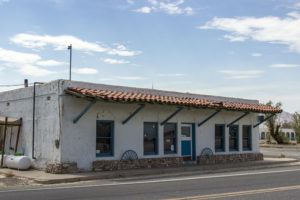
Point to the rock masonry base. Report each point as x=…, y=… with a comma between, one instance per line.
x=62, y=168
x=110, y=165
x=230, y=158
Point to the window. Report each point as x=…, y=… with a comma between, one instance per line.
x=292, y=135
x=219, y=138
x=234, y=138
x=170, y=132
x=263, y=136
x=104, y=138
x=150, y=138
x=247, y=137
x=288, y=134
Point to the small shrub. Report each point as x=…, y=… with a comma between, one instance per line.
x=281, y=156
x=9, y=174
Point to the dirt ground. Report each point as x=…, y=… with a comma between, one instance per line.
x=10, y=180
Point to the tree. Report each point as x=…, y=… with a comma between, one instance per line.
x=286, y=124
x=296, y=125
x=274, y=124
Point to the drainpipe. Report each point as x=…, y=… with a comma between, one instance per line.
x=33, y=117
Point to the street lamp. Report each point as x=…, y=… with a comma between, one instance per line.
x=70, y=48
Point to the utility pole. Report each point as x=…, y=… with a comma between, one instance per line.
x=70, y=48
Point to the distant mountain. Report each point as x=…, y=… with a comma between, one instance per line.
x=285, y=116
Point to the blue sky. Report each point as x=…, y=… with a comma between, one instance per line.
x=237, y=48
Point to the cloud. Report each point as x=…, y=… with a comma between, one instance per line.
x=242, y=74
x=296, y=6
x=144, y=10
x=18, y=57
x=31, y=70
x=85, y=71
x=58, y=42
x=4, y=1
x=235, y=38
x=284, y=66
x=131, y=78
x=243, y=77
x=47, y=63
x=264, y=29
x=63, y=41
x=130, y=1
x=26, y=63
x=107, y=79
x=170, y=75
x=115, y=61
x=121, y=50
x=256, y=54
x=171, y=8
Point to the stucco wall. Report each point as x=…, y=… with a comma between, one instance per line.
x=55, y=111
x=79, y=140
x=19, y=103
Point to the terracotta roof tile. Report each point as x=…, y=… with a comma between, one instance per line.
x=119, y=96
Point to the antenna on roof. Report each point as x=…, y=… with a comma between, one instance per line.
x=70, y=48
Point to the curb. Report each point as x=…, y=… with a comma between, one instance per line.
x=169, y=171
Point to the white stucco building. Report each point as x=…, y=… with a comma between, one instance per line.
x=288, y=132
x=86, y=126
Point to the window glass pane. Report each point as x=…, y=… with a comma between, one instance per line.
x=104, y=129
x=186, y=131
x=104, y=138
x=233, y=137
x=150, y=140
x=169, y=137
x=246, y=137
x=219, y=138
x=103, y=145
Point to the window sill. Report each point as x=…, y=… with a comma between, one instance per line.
x=247, y=149
x=170, y=152
x=150, y=154
x=104, y=155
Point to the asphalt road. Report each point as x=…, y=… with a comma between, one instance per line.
x=276, y=183
x=274, y=152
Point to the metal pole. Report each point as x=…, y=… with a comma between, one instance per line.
x=33, y=117
x=70, y=48
x=3, y=144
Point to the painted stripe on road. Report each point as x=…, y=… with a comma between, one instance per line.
x=150, y=181
x=240, y=193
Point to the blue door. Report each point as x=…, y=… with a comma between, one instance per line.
x=186, y=140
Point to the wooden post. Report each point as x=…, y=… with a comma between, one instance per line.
x=3, y=144
x=19, y=130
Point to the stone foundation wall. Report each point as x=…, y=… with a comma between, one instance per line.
x=61, y=168
x=230, y=158
x=109, y=165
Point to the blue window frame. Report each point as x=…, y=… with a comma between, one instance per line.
x=234, y=138
x=150, y=138
x=247, y=137
x=105, y=138
x=170, y=138
x=219, y=138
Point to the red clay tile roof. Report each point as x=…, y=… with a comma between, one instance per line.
x=133, y=97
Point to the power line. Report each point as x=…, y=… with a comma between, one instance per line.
x=15, y=85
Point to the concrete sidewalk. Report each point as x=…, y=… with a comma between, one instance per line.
x=41, y=177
